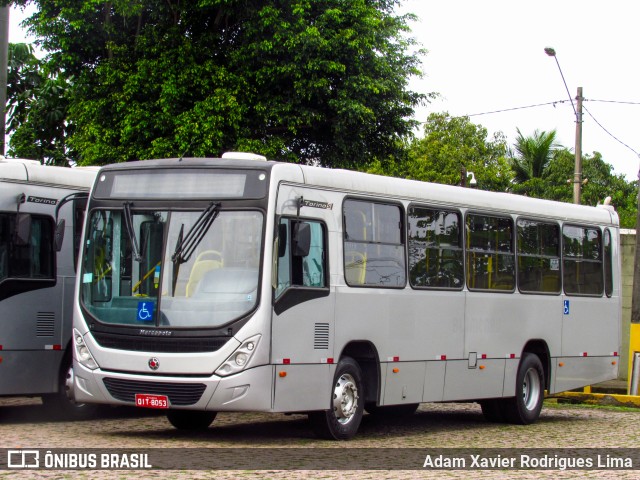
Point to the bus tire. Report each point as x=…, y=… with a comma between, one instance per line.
x=191, y=419
x=342, y=420
x=63, y=403
x=392, y=410
x=525, y=407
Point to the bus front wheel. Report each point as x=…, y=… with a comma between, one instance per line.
x=191, y=419
x=63, y=402
x=525, y=407
x=342, y=420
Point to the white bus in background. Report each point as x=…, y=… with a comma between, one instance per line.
x=37, y=277
x=237, y=284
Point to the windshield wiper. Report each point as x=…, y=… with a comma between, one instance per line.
x=128, y=222
x=187, y=244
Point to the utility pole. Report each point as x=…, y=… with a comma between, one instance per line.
x=577, y=176
x=634, y=328
x=4, y=66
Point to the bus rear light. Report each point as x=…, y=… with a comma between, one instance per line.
x=585, y=354
x=483, y=356
x=286, y=361
x=442, y=357
x=83, y=355
x=239, y=359
x=615, y=354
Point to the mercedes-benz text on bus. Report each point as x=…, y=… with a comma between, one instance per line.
x=239, y=284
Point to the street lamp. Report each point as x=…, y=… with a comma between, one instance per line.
x=577, y=175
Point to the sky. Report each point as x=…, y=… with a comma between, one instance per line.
x=485, y=56
x=488, y=55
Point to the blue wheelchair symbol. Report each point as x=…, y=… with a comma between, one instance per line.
x=145, y=311
x=566, y=307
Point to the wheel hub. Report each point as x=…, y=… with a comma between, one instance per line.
x=345, y=399
x=69, y=385
x=531, y=389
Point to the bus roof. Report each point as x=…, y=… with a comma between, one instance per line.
x=32, y=171
x=474, y=199
x=358, y=183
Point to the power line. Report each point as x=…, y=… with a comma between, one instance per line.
x=565, y=101
x=613, y=101
x=608, y=132
x=518, y=108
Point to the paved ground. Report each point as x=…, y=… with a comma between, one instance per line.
x=24, y=423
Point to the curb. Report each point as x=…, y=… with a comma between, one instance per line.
x=608, y=399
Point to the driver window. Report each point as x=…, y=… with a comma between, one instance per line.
x=303, y=269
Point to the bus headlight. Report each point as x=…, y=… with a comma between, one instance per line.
x=83, y=355
x=240, y=358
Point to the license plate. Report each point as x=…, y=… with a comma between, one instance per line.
x=151, y=401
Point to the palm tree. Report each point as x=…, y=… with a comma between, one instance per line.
x=533, y=155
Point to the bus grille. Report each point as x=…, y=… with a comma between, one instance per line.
x=178, y=393
x=159, y=344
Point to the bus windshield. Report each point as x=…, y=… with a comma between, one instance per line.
x=132, y=275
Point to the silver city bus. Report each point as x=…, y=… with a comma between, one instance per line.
x=238, y=284
x=41, y=220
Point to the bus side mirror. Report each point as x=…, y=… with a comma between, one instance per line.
x=59, y=235
x=301, y=241
x=23, y=229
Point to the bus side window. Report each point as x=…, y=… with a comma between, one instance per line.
x=582, y=260
x=301, y=255
x=608, y=264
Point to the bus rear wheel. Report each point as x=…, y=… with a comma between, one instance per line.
x=525, y=407
x=342, y=420
x=191, y=419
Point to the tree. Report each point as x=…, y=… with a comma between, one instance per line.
x=531, y=160
x=601, y=183
x=451, y=144
x=37, y=107
x=304, y=80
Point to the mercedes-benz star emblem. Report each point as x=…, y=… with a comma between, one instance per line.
x=154, y=363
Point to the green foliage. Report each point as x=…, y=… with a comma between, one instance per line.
x=601, y=183
x=37, y=107
x=532, y=156
x=303, y=80
x=543, y=169
x=451, y=144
